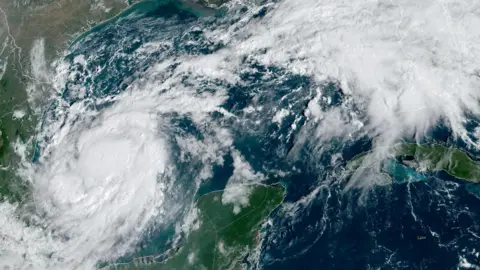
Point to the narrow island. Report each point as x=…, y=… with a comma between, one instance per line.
x=431, y=158
x=223, y=236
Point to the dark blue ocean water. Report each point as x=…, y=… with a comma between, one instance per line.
x=424, y=224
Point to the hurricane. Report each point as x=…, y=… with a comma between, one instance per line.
x=148, y=110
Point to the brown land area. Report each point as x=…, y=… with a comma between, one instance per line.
x=33, y=33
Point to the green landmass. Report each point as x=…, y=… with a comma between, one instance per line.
x=13, y=191
x=433, y=158
x=438, y=157
x=33, y=34
x=222, y=239
x=356, y=161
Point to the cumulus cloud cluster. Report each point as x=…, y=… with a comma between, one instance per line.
x=103, y=174
x=410, y=64
x=239, y=189
x=406, y=64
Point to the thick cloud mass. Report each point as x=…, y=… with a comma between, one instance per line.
x=103, y=175
x=406, y=65
x=409, y=64
x=100, y=185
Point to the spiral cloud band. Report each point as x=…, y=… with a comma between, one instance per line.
x=104, y=174
x=103, y=177
x=100, y=182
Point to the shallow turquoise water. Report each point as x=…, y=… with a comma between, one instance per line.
x=339, y=229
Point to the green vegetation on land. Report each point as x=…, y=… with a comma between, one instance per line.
x=433, y=158
x=222, y=238
x=13, y=191
x=438, y=157
x=34, y=34
x=3, y=146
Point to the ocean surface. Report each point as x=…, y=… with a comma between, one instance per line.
x=169, y=51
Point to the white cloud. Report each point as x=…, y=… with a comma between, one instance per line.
x=191, y=258
x=221, y=247
x=279, y=115
x=238, y=195
x=243, y=173
x=476, y=135
x=191, y=221
x=18, y=114
x=38, y=88
x=97, y=184
x=239, y=189
x=405, y=64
